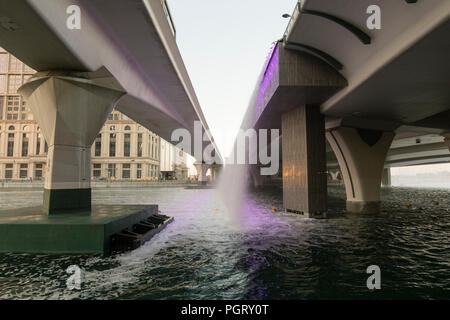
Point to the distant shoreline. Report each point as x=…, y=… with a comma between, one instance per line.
x=102, y=184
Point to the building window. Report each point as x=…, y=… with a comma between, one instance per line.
x=127, y=128
x=15, y=65
x=12, y=111
x=114, y=116
x=111, y=170
x=139, y=145
x=139, y=171
x=14, y=82
x=2, y=83
x=3, y=62
x=97, y=170
x=13, y=103
x=23, y=170
x=38, y=144
x=126, y=171
x=1, y=107
x=9, y=171
x=98, y=146
x=10, y=150
x=150, y=147
x=112, y=145
x=24, y=145
x=27, y=69
x=46, y=147
x=38, y=170
x=126, y=145
x=112, y=128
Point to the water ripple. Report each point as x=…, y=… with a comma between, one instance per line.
x=208, y=253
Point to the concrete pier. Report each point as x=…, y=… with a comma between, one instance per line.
x=386, y=177
x=334, y=176
x=215, y=170
x=304, y=161
x=202, y=169
x=85, y=231
x=294, y=84
x=71, y=109
x=361, y=154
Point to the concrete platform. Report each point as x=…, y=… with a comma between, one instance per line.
x=29, y=230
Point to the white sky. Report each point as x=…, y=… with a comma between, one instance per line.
x=224, y=44
x=430, y=168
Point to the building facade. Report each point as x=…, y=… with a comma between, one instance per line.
x=174, y=164
x=123, y=150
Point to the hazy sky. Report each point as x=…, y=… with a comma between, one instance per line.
x=430, y=168
x=224, y=45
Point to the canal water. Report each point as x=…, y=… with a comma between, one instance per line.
x=262, y=253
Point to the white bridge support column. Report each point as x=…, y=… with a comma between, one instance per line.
x=202, y=169
x=215, y=171
x=386, y=177
x=335, y=176
x=361, y=155
x=304, y=161
x=71, y=110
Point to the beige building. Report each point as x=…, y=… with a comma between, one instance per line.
x=122, y=150
x=125, y=150
x=174, y=164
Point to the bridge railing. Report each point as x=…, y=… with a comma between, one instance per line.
x=169, y=17
x=293, y=19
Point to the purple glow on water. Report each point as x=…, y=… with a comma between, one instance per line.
x=255, y=217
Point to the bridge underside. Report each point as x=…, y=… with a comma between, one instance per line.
x=134, y=66
x=124, y=56
x=391, y=109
